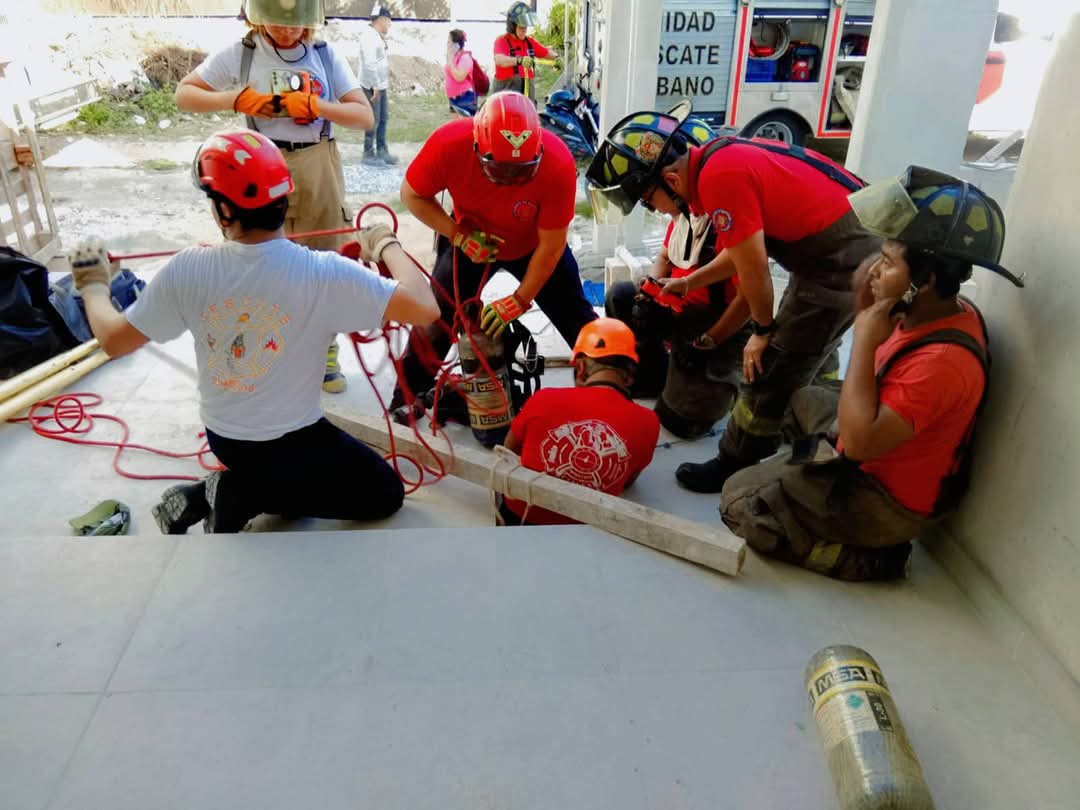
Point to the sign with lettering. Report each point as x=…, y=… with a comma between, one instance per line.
x=696, y=52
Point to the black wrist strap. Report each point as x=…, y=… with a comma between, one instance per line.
x=764, y=331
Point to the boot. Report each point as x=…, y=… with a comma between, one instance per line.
x=372, y=159
x=223, y=516
x=181, y=507
x=709, y=476
x=385, y=156
x=333, y=380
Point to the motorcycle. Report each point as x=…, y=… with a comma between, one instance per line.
x=573, y=115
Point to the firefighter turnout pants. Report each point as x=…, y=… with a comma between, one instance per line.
x=820, y=511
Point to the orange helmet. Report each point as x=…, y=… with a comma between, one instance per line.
x=506, y=137
x=605, y=337
x=244, y=167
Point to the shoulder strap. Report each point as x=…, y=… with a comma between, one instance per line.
x=246, y=54
x=848, y=181
x=320, y=51
x=955, y=482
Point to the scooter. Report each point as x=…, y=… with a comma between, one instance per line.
x=573, y=115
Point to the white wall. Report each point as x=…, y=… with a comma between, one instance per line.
x=1021, y=521
x=924, y=65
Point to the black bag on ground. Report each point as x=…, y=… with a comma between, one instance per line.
x=29, y=332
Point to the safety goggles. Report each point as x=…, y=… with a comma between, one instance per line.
x=509, y=174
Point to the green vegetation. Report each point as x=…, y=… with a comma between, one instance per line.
x=111, y=116
x=160, y=165
x=584, y=209
x=553, y=34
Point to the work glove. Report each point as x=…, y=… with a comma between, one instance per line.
x=497, y=315
x=90, y=265
x=374, y=239
x=528, y=62
x=301, y=107
x=250, y=101
x=479, y=247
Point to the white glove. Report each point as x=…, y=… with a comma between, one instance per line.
x=90, y=265
x=374, y=239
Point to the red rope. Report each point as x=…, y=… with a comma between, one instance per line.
x=73, y=421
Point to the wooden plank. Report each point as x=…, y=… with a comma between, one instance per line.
x=50, y=386
x=8, y=388
x=712, y=546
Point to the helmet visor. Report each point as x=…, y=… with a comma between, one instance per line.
x=610, y=205
x=525, y=16
x=884, y=208
x=297, y=13
x=509, y=174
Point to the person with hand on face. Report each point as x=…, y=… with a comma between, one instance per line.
x=516, y=53
x=375, y=79
x=292, y=88
x=592, y=434
x=513, y=185
x=892, y=451
x=766, y=200
x=459, y=76
x=261, y=310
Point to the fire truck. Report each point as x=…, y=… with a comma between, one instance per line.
x=782, y=69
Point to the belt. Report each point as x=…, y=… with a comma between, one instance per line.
x=296, y=146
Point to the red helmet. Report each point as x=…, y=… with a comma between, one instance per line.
x=244, y=167
x=506, y=135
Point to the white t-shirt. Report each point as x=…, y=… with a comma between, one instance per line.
x=374, y=59
x=222, y=72
x=262, y=317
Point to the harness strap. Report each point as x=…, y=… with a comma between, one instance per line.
x=833, y=172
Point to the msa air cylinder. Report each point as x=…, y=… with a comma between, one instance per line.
x=871, y=760
x=487, y=396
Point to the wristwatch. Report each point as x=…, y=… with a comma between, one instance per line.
x=766, y=330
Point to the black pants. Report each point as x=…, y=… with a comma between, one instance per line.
x=316, y=471
x=561, y=299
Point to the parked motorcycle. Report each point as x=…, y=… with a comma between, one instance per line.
x=573, y=115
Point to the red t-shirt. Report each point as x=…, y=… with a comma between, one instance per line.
x=936, y=390
x=447, y=161
x=591, y=435
x=746, y=189
x=700, y=296
x=509, y=45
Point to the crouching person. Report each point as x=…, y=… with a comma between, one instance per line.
x=262, y=311
x=592, y=434
x=849, y=505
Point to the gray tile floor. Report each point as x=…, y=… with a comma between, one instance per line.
x=426, y=662
x=458, y=668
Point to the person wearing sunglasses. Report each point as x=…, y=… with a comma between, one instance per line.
x=513, y=185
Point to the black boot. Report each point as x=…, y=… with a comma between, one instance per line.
x=710, y=476
x=181, y=507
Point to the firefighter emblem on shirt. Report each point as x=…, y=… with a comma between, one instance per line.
x=516, y=139
x=525, y=210
x=589, y=453
x=721, y=220
x=243, y=338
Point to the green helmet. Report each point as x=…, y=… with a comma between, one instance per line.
x=936, y=213
x=629, y=161
x=302, y=13
x=521, y=14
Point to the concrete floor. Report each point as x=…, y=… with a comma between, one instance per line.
x=426, y=663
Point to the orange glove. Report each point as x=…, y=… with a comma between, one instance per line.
x=250, y=101
x=478, y=246
x=302, y=107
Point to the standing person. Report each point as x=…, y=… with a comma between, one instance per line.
x=516, y=53
x=292, y=88
x=513, y=185
x=460, y=91
x=766, y=200
x=891, y=452
x=592, y=434
x=375, y=79
x=261, y=309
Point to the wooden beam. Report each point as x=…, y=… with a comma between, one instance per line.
x=712, y=546
x=50, y=385
x=10, y=387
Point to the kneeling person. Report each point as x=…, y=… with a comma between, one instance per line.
x=908, y=405
x=592, y=434
x=262, y=311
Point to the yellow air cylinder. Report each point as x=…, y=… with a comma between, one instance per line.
x=870, y=758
